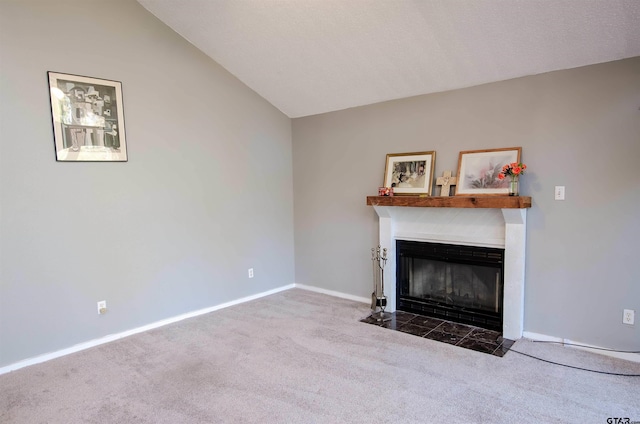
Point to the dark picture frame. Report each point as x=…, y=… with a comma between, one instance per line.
x=88, y=118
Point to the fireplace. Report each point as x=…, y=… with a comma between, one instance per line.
x=490, y=221
x=452, y=282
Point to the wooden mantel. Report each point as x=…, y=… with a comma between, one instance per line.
x=497, y=202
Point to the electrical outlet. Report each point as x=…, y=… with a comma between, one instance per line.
x=102, y=307
x=250, y=272
x=559, y=193
x=628, y=316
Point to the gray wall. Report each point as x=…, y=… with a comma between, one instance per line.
x=579, y=128
x=206, y=193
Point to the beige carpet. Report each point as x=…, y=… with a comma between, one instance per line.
x=303, y=357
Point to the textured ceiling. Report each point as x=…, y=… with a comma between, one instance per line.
x=314, y=56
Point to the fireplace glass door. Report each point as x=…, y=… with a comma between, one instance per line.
x=456, y=283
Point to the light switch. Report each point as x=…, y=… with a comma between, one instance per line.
x=559, y=192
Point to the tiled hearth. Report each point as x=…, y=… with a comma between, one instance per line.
x=466, y=336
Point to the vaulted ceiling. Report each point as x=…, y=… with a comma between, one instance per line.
x=313, y=56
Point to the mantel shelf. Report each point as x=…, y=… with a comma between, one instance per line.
x=496, y=202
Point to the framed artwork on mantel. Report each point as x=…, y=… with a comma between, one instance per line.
x=410, y=173
x=478, y=171
x=88, y=119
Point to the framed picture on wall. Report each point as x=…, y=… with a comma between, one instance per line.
x=478, y=171
x=410, y=173
x=88, y=119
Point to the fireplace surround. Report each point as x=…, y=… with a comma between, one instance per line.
x=492, y=221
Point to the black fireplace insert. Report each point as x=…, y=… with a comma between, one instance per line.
x=452, y=282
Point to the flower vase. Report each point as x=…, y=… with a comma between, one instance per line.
x=513, y=187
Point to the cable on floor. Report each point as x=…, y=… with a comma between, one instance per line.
x=578, y=368
x=588, y=347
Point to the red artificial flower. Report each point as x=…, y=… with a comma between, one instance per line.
x=512, y=169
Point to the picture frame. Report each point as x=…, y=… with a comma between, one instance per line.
x=478, y=171
x=410, y=173
x=88, y=118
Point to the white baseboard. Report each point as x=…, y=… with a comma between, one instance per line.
x=541, y=337
x=333, y=293
x=634, y=357
x=113, y=337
